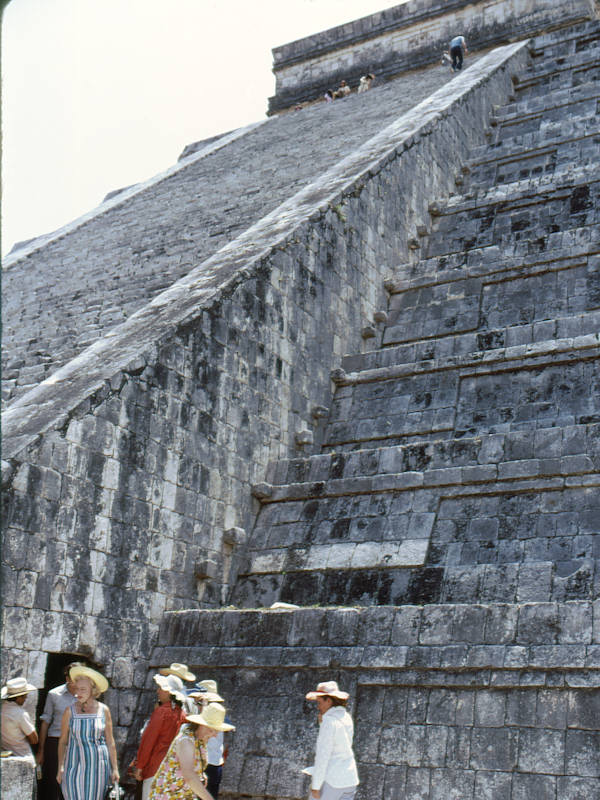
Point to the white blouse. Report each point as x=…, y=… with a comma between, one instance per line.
x=334, y=759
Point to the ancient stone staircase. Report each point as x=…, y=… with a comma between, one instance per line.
x=460, y=461
x=82, y=282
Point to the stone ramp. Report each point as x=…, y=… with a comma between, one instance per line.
x=61, y=297
x=460, y=458
x=488, y=701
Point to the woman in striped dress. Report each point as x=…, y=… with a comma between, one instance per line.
x=87, y=756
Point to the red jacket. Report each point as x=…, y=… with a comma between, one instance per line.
x=160, y=731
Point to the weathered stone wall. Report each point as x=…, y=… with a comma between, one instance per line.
x=407, y=36
x=18, y=779
x=464, y=701
x=128, y=471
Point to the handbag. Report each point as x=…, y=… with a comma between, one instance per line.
x=114, y=792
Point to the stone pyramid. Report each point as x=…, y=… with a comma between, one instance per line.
x=344, y=359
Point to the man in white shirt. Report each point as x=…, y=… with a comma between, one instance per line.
x=18, y=731
x=57, y=701
x=334, y=775
x=458, y=48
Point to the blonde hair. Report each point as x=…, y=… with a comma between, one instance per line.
x=95, y=690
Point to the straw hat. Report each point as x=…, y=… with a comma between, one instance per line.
x=96, y=678
x=327, y=689
x=180, y=670
x=206, y=690
x=213, y=716
x=16, y=687
x=171, y=684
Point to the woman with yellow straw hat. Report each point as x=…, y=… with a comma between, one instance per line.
x=181, y=774
x=87, y=756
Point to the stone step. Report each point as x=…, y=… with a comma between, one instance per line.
x=581, y=443
x=522, y=217
x=515, y=530
x=523, y=387
x=560, y=73
x=479, y=262
x=574, y=39
x=536, y=108
x=509, y=300
x=530, y=155
x=129, y=249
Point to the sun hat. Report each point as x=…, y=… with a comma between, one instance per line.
x=208, y=686
x=207, y=690
x=180, y=670
x=327, y=689
x=15, y=687
x=171, y=684
x=81, y=671
x=208, y=697
x=213, y=716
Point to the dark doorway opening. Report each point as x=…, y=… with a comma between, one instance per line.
x=54, y=676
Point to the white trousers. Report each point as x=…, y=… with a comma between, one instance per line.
x=146, y=788
x=331, y=793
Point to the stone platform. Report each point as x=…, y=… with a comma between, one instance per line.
x=460, y=701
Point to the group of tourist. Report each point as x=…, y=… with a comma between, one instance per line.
x=344, y=90
x=453, y=57
x=181, y=751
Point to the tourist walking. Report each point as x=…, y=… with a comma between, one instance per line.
x=87, y=756
x=334, y=775
x=182, y=672
x=206, y=692
x=181, y=774
x=343, y=90
x=458, y=48
x=18, y=731
x=160, y=731
x=57, y=701
x=365, y=82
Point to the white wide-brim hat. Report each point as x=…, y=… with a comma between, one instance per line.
x=208, y=697
x=327, y=689
x=97, y=678
x=180, y=670
x=16, y=687
x=213, y=716
x=171, y=684
x=207, y=690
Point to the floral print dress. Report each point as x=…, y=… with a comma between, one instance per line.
x=169, y=783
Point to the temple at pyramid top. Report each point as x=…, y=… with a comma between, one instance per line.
x=406, y=36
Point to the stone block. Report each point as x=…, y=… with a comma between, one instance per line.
x=581, y=754
x=490, y=709
x=575, y=620
x=528, y=786
x=542, y=752
x=406, y=625
x=254, y=774
x=375, y=625
x=538, y=623
x=436, y=625
x=18, y=779
x=451, y=784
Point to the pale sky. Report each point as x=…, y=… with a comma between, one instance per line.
x=101, y=94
